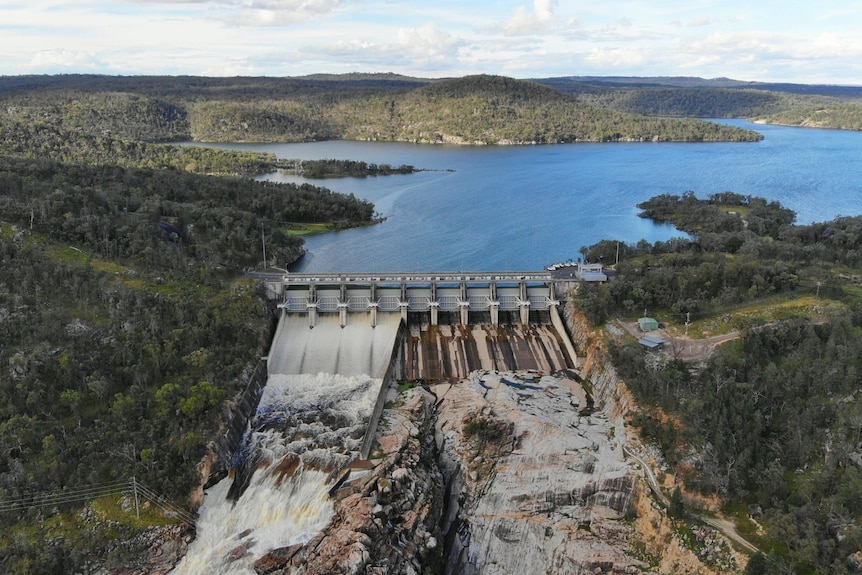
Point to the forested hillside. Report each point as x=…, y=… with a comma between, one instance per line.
x=770, y=422
x=116, y=118
x=837, y=114
x=471, y=110
x=818, y=106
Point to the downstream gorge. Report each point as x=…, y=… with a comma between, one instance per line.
x=487, y=472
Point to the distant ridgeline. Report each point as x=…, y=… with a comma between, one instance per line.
x=117, y=120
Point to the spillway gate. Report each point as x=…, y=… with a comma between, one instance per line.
x=431, y=293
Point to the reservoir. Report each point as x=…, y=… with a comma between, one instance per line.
x=523, y=207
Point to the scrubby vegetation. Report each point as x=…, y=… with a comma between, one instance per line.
x=328, y=168
x=821, y=113
x=771, y=420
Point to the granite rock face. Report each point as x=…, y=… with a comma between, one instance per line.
x=164, y=546
x=550, y=495
x=499, y=473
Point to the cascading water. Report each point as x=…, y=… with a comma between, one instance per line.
x=307, y=428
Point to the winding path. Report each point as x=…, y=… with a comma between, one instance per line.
x=725, y=527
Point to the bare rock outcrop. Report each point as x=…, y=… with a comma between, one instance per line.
x=539, y=479
x=160, y=549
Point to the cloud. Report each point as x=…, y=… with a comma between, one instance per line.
x=615, y=57
x=62, y=60
x=525, y=22
x=281, y=12
x=702, y=21
x=421, y=48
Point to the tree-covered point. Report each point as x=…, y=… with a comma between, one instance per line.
x=168, y=219
x=740, y=248
x=329, y=168
x=721, y=212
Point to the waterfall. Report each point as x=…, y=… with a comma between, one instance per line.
x=306, y=427
x=309, y=424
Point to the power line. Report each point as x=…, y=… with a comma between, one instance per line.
x=66, y=496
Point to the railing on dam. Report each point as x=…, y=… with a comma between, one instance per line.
x=434, y=293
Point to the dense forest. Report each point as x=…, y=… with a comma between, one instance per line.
x=771, y=421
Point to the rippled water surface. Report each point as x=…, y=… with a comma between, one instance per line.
x=523, y=207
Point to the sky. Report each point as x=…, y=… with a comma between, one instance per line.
x=760, y=40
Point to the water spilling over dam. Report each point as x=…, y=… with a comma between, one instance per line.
x=337, y=347
x=311, y=422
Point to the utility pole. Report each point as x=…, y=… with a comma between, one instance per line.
x=263, y=240
x=817, y=293
x=687, y=321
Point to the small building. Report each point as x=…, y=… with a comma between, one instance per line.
x=652, y=343
x=591, y=273
x=647, y=324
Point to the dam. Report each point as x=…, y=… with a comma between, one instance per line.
x=341, y=343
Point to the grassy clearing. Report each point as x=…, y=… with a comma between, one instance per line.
x=308, y=229
x=760, y=313
x=854, y=291
x=743, y=211
x=123, y=274
x=110, y=509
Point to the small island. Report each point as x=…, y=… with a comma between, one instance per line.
x=329, y=168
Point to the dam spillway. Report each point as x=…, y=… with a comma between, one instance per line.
x=355, y=349
x=455, y=322
x=341, y=341
x=316, y=416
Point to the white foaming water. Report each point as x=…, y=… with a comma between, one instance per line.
x=303, y=423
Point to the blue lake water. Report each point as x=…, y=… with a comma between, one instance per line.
x=523, y=207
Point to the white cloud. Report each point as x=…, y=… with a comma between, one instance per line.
x=281, y=12
x=702, y=21
x=61, y=60
x=525, y=22
x=421, y=48
x=615, y=57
